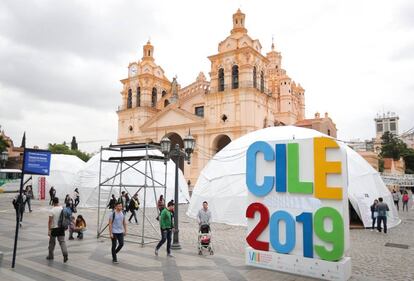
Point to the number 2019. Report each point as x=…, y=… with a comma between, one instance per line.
x=310, y=224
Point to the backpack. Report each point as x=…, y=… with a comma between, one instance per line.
x=64, y=220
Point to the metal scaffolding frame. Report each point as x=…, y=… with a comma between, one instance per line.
x=128, y=163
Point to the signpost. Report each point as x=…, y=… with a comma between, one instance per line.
x=298, y=208
x=35, y=162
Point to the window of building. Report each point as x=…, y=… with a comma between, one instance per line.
x=235, y=77
x=138, y=96
x=221, y=80
x=262, y=82
x=329, y=132
x=393, y=127
x=166, y=103
x=163, y=93
x=199, y=111
x=154, y=97
x=254, y=77
x=379, y=128
x=129, y=99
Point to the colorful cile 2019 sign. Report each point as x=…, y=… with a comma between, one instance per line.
x=297, y=200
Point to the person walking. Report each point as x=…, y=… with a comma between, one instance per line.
x=396, y=197
x=374, y=213
x=204, y=215
x=405, y=199
x=76, y=196
x=52, y=193
x=19, y=203
x=29, y=197
x=382, y=208
x=112, y=202
x=117, y=230
x=160, y=206
x=133, y=207
x=56, y=231
x=166, y=223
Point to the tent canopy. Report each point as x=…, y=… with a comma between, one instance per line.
x=222, y=182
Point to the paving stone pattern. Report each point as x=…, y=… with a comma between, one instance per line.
x=90, y=258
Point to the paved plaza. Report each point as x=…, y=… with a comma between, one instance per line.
x=90, y=258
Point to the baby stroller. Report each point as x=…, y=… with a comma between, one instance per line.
x=204, y=240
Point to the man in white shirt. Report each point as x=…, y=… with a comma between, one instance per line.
x=204, y=215
x=54, y=231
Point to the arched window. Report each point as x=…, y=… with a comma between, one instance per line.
x=261, y=82
x=254, y=77
x=221, y=80
x=234, y=77
x=154, y=97
x=129, y=99
x=163, y=93
x=138, y=96
x=166, y=103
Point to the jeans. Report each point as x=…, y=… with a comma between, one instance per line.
x=405, y=204
x=396, y=203
x=62, y=243
x=133, y=214
x=384, y=220
x=373, y=222
x=120, y=238
x=165, y=235
x=29, y=204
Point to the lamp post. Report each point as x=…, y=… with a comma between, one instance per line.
x=176, y=153
x=4, y=158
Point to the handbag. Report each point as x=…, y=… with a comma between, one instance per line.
x=58, y=231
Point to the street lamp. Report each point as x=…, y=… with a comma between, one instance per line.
x=4, y=158
x=176, y=154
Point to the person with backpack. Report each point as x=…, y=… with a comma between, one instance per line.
x=58, y=223
x=166, y=223
x=382, y=209
x=117, y=230
x=405, y=200
x=133, y=207
x=126, y=203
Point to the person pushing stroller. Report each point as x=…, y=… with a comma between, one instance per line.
x=204, y=233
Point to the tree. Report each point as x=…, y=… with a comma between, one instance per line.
x=64, y=149
x=408, y=156
x=3, y=144
x=391, y=146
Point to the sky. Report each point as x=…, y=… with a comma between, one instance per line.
x=61, y=61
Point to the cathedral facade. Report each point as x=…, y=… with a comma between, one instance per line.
x=247, y=91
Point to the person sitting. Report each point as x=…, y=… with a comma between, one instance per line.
x=79, y=228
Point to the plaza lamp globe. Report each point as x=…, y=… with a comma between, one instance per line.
x=189, y=144
x=165, y=146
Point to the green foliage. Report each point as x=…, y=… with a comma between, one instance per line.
x=3, y=144
x=393, y=147
x=63, y=149
x=381, y=165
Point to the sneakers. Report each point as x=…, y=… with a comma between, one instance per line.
x=65, y=259
x=49, y=258
x=115, y=261
x=156, y=252
x=71, y=238
x=170, y=256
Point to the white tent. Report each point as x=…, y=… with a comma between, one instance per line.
x=222, y=182
x=88, y=179
x=63, y=175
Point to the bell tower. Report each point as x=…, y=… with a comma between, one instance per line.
x=238, y=22
x=148, y=52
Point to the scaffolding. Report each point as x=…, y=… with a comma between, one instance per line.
x=127, y=157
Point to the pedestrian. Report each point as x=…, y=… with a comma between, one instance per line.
x=69, y=203
x=396, y=198
x=56, y=230
x=112, y=202
x=382, y=208
x=76, y=196
x=79, y=228
x=52, y=193
x=127, y=200
x=166, y=223
x=160, y=206
x=204, y=215
x=133, y=207
x=117, y=230
x=405, y=200
x=19, y=203
x=374, y=213
x=123, y=201
x=29, y=197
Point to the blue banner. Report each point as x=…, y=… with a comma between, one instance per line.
x=36, y=162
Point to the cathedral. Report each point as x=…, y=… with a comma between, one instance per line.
x=247, y=91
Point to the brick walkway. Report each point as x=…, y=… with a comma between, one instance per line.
x=90, y=259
